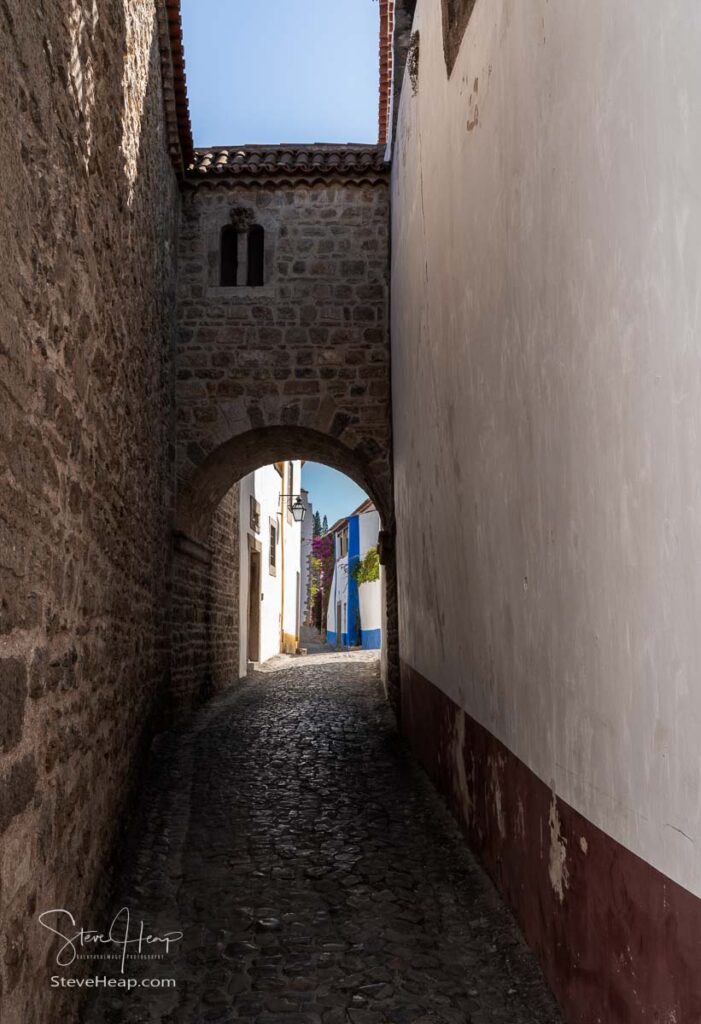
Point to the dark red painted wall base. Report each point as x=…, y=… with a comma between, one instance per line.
x=619, y=942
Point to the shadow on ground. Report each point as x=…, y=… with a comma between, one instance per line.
x=316, y=875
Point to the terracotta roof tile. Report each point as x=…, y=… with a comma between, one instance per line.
x=317, y=159
x=386, y=61
x=322, y=160
x=174, y=89
x=289, y=163
x=365, y=506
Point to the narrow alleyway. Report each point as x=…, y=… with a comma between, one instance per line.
x=320, y=876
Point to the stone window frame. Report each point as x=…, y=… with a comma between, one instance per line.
x=243, y=236
x=455, y=16
x=343, y=541
x=269, y=223
x=254, y=514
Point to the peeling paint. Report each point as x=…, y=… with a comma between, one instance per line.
x=462, y=783
x=412, y=63
x=520, y=821
x=597, y=948
x=455, y=16
x=496, y=767
x=557, y=867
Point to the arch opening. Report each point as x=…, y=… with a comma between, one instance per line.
x=222, y=531
x=243, y=453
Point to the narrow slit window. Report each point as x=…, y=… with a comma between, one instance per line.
x=256, y=256
x=272, y=553
x=229, y=257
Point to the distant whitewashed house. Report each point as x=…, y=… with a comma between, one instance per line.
x=305, y=557
x=354, y=617
x=270, y=575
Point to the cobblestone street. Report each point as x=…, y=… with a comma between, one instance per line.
x=314, y=871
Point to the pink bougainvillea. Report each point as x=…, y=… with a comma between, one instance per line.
x=322, y=563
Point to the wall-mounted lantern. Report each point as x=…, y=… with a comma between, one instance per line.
x=295, y=505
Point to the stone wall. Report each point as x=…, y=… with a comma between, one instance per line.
x=295, y=368
x=87, y=229
x=190, y=603
x=309, y=349
x=204, y=605
x=224, y=607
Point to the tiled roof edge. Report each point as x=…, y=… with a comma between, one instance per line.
x=386, y=60
x=277, y=164
x=177, y=111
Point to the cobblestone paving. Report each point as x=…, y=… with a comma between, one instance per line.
x=316, y=874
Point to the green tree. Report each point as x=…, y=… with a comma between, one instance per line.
x=316, y=529
x=325, y=525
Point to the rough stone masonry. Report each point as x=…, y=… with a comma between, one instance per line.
x=307, y=348
x=111, y=435
x=295, y=365
x=88, y=228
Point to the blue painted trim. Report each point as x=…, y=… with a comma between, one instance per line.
x=353, y=599
x=372, y=639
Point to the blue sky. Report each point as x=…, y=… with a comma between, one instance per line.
x=281, y=70
x=330, y=492
x=285, y=71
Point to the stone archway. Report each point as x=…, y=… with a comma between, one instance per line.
x=293, y=365
x=243, y=453
x=197, y=560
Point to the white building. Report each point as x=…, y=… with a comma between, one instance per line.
x=307, y=535
x=337, y=613
x=370, y=592
x=270, y=573
x=354, y=617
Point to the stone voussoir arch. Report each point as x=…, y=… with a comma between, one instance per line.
x=229, y=461
x=208, y=485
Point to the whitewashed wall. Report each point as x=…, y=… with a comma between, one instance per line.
x=307, y=532
x=546, y=348
x=267, y=485
x=370, y=594
x=292, y=541
x=338, y=595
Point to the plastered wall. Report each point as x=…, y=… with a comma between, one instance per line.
x=291, y=540
x=265, y=486
x=546, y=314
